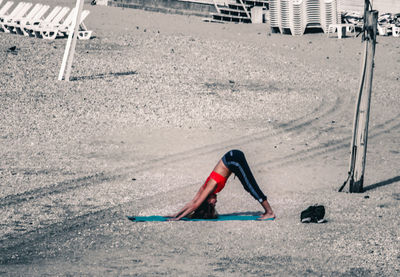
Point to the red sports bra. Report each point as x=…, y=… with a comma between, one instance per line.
x=221, y=181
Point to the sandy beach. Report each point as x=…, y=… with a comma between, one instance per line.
x=155, y=100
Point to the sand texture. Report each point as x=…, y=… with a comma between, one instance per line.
x=155, y=100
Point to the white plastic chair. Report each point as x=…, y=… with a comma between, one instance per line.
x=21, y=24
x=60, y=30
x=383, y=30
x=5, y=8
x=395, y=31
x=274, y=13
x=20, y=10
x=14, y=12
x=6, y=16
x=298, y=15
x=341, y=29
x=298, y=18
x=284, y=15
x=37, y=27
x=329, y=14
x=313, y=12
x=15, y=21
x=27, y=26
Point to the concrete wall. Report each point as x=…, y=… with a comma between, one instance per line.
x=166, y=6
x=383, y=6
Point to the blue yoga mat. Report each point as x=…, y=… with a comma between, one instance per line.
x=157, y=218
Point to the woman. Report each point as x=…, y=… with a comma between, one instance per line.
x=203, y=204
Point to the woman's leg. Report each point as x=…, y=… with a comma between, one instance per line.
x=236, y=162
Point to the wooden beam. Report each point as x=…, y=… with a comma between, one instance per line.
x=360, y=137
x=69, y=53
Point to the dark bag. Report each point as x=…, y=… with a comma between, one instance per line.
x=314, y=214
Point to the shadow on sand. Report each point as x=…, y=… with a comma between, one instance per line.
x=383, y=183
x=103, y=75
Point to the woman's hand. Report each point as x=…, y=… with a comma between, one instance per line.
x=173, y=219
x=172, y=215
x=181, y=211
x=201, y=196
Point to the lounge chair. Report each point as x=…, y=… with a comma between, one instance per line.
x=83, y=32
x=36, y=12
x=5, y=8
x=395, y=31
x=62, y=30
x=25, y=25
x=19, y=11
x=6, y=14
x=55, y=17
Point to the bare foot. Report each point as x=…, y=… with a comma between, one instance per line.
x=267, y=216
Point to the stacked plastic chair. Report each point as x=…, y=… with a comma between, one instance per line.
x=274, y=14
x=329, y=14
x=285, y=14
x=298, y=15
x=313, y=8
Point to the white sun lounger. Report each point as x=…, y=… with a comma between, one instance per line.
x=13, y=12
x=23, y=25
x=19, y=11
x=61, y=30
x=83, y=32
x=38, y=27
x=20, y=25
x=5, y=8
x=37, y=11
x=29, y=27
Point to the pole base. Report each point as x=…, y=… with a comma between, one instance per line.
x=357, y=187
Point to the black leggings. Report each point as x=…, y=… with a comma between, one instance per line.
x=236, y=162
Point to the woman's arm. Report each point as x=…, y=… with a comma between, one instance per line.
x=201, y=195
x=189, y=203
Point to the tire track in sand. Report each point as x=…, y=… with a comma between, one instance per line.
x=90, y=180
x=332, y=146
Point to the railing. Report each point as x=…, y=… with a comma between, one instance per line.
x=245, y=9
x=215, y=2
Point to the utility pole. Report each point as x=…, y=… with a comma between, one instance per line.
x=363, y=102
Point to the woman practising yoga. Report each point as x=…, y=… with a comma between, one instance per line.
x=203, y=204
